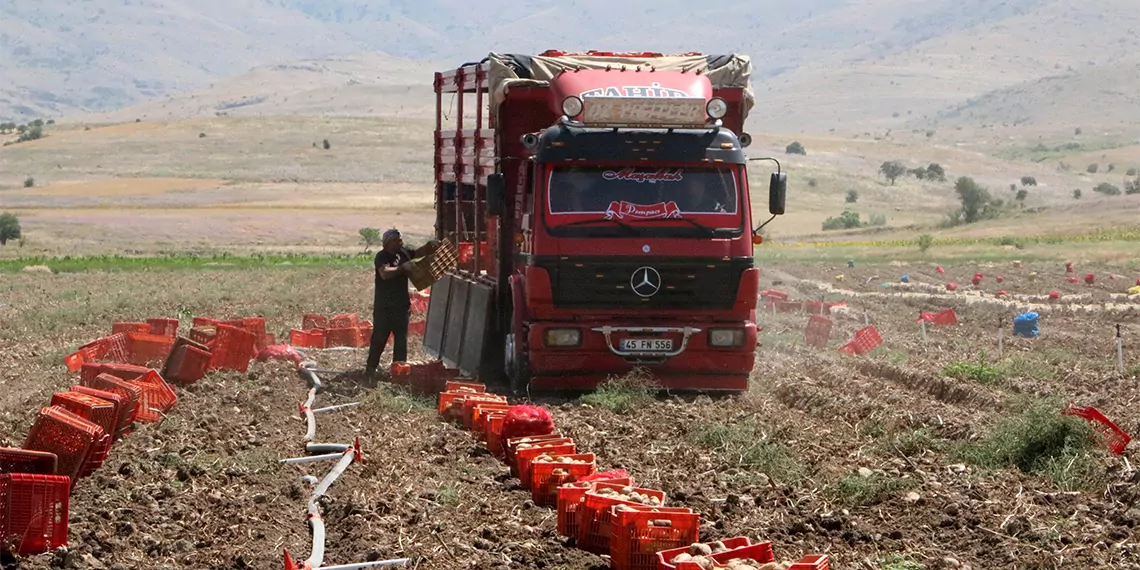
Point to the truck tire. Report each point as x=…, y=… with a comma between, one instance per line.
x=515, y=363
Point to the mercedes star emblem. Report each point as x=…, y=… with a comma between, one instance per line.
x=645, y=281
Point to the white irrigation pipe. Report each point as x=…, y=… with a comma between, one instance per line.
x=318, y=555
x=311, y=458
x=336, y=407
x=396, y=562
x=1119, y=349
x=307, y=410
x=326, y=447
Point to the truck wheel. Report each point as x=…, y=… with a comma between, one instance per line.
x=516, y=367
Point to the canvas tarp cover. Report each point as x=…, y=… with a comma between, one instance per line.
x=724, y=71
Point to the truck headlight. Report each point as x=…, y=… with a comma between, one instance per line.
x=563, y=337
x=726, y=337
x=716, y=108
x=571, y=106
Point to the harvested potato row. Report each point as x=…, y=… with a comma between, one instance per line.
x=565, y=460
x=701, y=554
x=629, y=495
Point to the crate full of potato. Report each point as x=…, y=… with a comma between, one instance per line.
x=550, y=471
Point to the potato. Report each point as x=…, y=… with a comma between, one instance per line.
x=559, y=472
x=661, y=522
x=682, y=557
x=718, y=547
x=699, y=549
x=627, y=490
x=769, y=566
x=705, y=562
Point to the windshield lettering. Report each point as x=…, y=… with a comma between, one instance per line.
x=631, y=193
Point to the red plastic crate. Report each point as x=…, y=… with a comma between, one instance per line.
x=472, y=408
x=255, y=325
x=812, y=562
x=76, y=442
x=865, y=341
x=131, y=394
x=544, y=483
x=187, y=363
x=157, y=397
x=310, y=322
x=232, y=349
x=479, y=417
x=121, y=371
x=145, y=349
x=448, y=397
x=345, y=321
x=494, y=431
x=1115, y=438
x=732, y=544
x=510, y=444
x=818, y=331
x=96, y=410
x=113, y=348
x=204, y=334
x=122, y=412
x=307, y=339
x=129, y=327
x=352, y=337
x=523, y=457
x=15, y=460
x=594, y=517
x=638, y=533
x=456, y=385
x=570, y=498
x=163, y=327
x=33, y=512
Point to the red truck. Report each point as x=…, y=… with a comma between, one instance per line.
x=602, y=210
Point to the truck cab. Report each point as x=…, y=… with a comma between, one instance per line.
x=622, y=231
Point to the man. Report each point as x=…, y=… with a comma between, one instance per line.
x=392, y=305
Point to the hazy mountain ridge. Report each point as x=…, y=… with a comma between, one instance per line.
x=817, y=62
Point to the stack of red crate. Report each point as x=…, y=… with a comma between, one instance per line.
x=318, y=331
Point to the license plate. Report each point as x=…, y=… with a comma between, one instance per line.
x=647, y=344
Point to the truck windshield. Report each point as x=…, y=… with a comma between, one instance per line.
x=629, y=194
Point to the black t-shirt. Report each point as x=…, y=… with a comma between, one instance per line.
x=392, y=292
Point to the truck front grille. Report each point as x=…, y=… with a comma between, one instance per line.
x=691, y=283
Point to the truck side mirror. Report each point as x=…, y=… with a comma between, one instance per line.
x=777, y=193
x=496, y=194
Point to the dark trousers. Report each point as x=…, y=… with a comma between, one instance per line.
x=389, y=321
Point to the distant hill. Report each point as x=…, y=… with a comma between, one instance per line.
x=820, y=64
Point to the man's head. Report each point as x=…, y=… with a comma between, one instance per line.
x=393, y=240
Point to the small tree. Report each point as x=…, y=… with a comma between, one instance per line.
x=1077, y=131
x=845, y=221
x=935, y=172
x=1092, y=168
x=1021, y=195
x=29, y=182
x=325, y=143
x=975, y=199
x=892, y=170
x=9, y=227
x=920, y=173
x=1013, y=187
x=1107, y=189
x=31, y=134
x=795, y=148
x=1111, y=167
x=924, y=242
x=1077, y=194
x=1131, y=171
x=852, y=196
x=1028, y=181
x=370, y=237
x=1132, y=186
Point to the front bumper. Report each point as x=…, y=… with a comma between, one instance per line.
x=691, y=363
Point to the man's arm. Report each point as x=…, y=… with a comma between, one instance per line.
x=387, y=273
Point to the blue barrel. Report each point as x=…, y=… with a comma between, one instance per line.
x=1025, y=325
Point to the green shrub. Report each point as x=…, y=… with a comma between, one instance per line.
x=845, y=221
x=624, y=393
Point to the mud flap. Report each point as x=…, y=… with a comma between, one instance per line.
x=458, y=327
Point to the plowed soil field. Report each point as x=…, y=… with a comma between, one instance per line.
x=876, y=460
